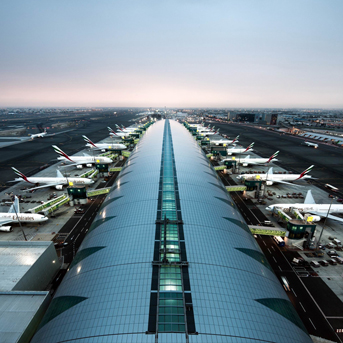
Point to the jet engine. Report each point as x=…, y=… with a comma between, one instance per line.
x=59, y=187
x=314, y=218
x=89, y=165
x=269, y=183
x=6, y=229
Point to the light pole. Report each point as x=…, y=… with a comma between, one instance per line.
x=16, y=213
x=320, y=236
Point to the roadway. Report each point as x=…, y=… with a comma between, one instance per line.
x=313, y=300
x=32, y=155
x=294, y=155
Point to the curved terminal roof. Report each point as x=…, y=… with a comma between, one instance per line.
x=107, y=294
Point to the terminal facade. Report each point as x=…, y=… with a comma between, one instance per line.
x=170, y=259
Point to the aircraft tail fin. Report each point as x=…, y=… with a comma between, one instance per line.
x=249, y=147
x=59, y=174
x=309, y=198
x=247, y=157
x=61, y=153
x=88, y=141
x=270, y=171
x=306, y=171
x=235, y=139
x=21, y=175
x=273, y=156
x=15, y=206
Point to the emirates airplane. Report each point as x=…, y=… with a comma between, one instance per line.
x=233, y=151
x=259, y=160
x=117, y=134
x=39, y=135
x=126, y=129
x=224, y=140
x=58, y=182
x=14, y=213
x=271, y=178
x=104, y=146
x=79, y=160
x=310, y=206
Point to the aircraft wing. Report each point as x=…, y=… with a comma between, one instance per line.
x=4, y=221
x=43, y=186
x=323, y=215
x=286, y=183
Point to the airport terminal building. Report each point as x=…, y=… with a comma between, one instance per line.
x=170, y=259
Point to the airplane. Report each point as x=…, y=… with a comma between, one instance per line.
x=103, y=146
x=126, y=129
x=255, y=161
x=117, y=134
x=197, y=125
x=14, y=213
x=310, y=206
x=232, y=151
x=79, y=160
x=271, y=178
x=311, y=144
x=209, y=133
x=58, y=182
x=39, y=135
x=224, y=140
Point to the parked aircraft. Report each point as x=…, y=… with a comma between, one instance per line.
x=314, y=145
x=39, y=135
x=79, y=160
x=197, y=125
x=233, y=151
x=103, y=146
x=255, y=161
x=126, y=129
x=14, y=213
x=224, y=140
x=271, y=178
x=117, y=134
x=58, y=182
x=310, y=206
x=209, y=133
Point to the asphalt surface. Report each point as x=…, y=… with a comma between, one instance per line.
x=78, y=225
x=318, y=307
x=294, y=155
x=32, y=155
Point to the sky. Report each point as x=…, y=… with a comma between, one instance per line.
x=174, y=53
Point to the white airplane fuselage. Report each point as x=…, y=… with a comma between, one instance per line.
x=314, y=145
x=119, y=134
x=238, y=151
x=38, y=135
x=321, y=208
x=222, y=141
x=107, y=146
x=274, y=177
x=253, y=161
x=58, y=180
x=24, y=217
x=86, y=159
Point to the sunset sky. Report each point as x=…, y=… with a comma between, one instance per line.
x=246, y=53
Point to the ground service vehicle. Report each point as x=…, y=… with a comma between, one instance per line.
x=279, y=241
